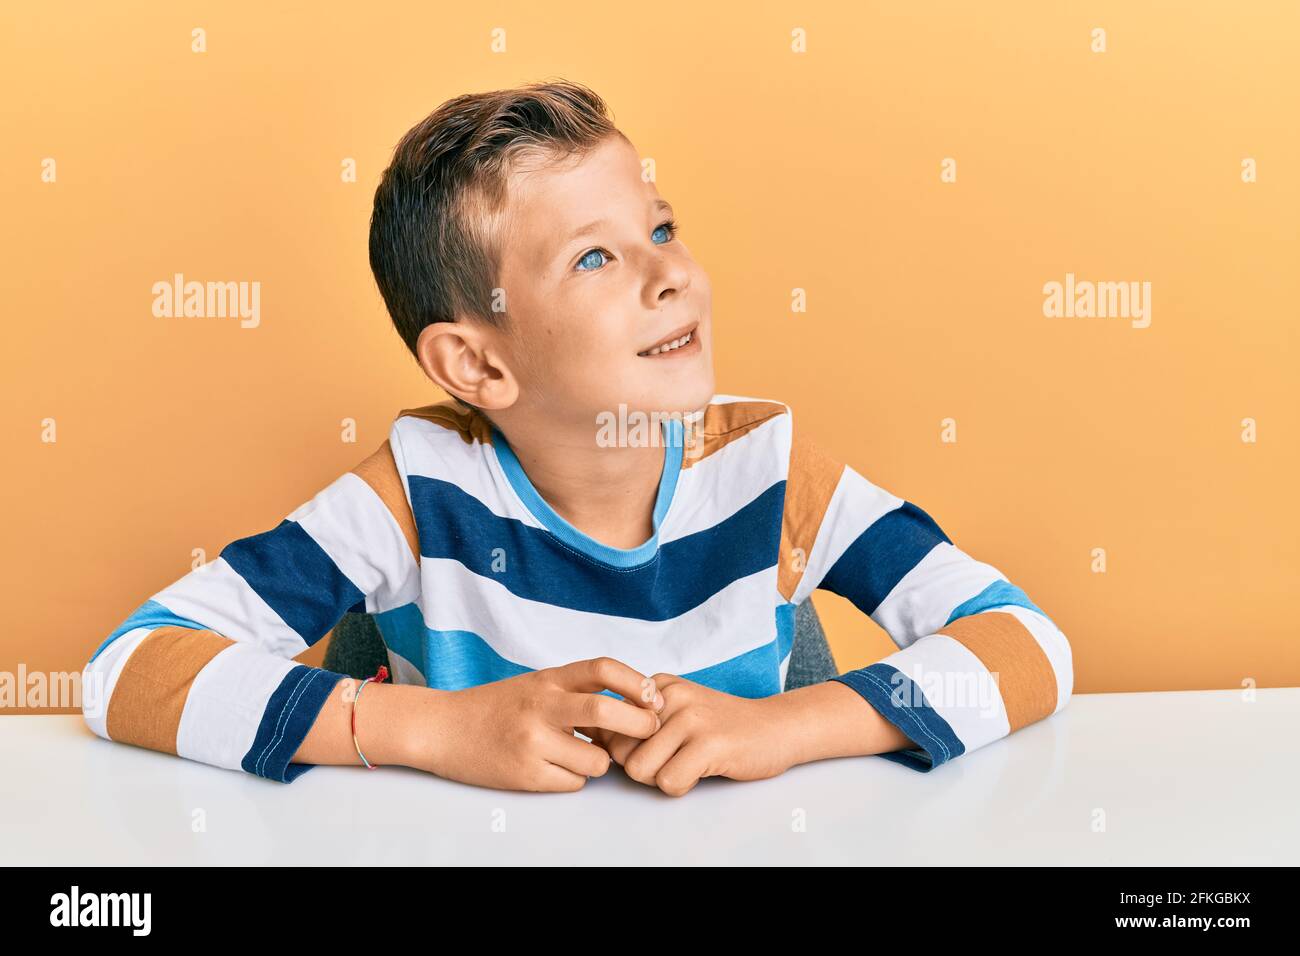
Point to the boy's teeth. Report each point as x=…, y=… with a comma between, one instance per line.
x=674, y=344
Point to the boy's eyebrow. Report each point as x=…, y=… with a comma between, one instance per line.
x=597, y=223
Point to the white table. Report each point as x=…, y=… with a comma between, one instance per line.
x=1183, y=778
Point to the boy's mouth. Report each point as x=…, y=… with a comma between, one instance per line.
x=682, y=341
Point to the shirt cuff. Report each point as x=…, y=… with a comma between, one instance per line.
x=288, y=717
x=900, y=701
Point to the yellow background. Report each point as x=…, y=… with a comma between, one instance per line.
x=817, y=171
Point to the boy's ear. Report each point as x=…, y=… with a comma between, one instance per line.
x=462, y=358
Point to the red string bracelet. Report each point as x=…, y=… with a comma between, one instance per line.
x=381, y=675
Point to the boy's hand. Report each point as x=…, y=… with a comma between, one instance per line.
x=705, y=733
x=517, y=734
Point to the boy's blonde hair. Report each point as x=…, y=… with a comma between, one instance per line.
x=437, y=227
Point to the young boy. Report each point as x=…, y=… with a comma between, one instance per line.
x=533, y=569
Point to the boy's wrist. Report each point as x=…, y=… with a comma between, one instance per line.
x=830, y=719
x=397, y=726
x=796, y=727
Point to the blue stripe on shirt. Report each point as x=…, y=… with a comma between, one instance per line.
x=295, y=577
x=538, y=566
x=150, y=614
x=288, y=717
x=900, y=701
x=997, y=594
x=454, y=660
x=882, y=554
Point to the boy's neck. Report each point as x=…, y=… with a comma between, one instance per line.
x=607, y=493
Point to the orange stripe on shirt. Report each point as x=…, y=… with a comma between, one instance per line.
x=155, y=681
x=379, y=471
x=810, y=485
x=723, y=424
x=469, y=423
x=1006, y=647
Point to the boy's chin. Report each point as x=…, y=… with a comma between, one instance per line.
x=681, y=398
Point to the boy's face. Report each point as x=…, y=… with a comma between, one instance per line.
x=586, y=307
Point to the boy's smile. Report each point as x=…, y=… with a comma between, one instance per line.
x=681, y=342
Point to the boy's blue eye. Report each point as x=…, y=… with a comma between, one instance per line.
x=587, y=256
x=669, y=228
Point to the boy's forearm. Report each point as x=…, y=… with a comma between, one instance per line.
x=831, y=719
x=388, y=716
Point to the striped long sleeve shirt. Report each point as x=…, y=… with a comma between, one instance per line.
x=472, y=577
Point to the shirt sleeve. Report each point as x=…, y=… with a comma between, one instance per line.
x=204, y=668
x=976, y=659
